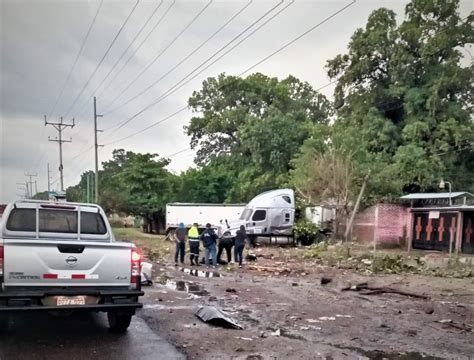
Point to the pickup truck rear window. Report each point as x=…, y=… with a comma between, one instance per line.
x=22, y=220
x=56, y=221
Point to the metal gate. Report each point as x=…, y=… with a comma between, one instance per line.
x=467, y=246
x=433, y=230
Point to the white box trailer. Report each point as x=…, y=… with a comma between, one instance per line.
x=201, y=213
x=321, y=216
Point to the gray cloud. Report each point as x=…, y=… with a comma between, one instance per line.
x=40, y=40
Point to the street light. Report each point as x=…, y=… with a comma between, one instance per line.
x=442, y=185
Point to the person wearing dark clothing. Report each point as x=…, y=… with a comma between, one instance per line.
x=209, y=239
x=240, y=238
x=193, y=237
x=180, y=237
x=227, y=244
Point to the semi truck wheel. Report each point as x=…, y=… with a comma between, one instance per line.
x=118, y=322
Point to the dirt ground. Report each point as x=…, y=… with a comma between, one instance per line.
x=287, y=313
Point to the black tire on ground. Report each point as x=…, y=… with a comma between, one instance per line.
x=118, y=322
x=305, y=241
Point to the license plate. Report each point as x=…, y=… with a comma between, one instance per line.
x=70, y=300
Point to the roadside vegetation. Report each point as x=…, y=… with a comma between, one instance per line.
x=154, y=247
x=401, y=112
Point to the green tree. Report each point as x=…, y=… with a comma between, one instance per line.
x=43, y=195
x=78, y=193
x=148, y=185
x=404, y=93
x=254, y=125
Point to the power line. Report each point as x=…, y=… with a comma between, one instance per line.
x=123, y=54
x=77, y=58
x=178, y=152
x=160, y=54
x=185, y=58
x=137, y=48
x=298, y=37
x=169, y=91
x=261, y=61
x=103, y=58
x=59, y=126
x=248, y=69
x=148, y=127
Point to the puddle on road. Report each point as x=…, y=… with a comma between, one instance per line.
x=186, y=286
x=381, y=355
x=201, y=273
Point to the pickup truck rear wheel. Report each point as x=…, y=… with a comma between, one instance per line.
x=4, y=320
x=118, y=322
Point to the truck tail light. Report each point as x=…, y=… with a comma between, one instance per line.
x=136, y=266
x=1, y=260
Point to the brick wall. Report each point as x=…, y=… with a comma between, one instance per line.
x=386, y=222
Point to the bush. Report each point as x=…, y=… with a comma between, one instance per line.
x=306, y=232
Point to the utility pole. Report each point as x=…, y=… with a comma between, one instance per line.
x=31, y=176
x=96, y=146
x=88, y=191
x=59, y=126
x=23, y=187
x=49, y=180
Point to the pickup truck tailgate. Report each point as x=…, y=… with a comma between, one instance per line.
x=68, y=263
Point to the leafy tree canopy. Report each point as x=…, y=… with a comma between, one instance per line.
x=255, y=125
x=403, y=90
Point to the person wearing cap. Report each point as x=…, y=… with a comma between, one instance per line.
x=209, y=238
x=180, y=238
x=193, y=238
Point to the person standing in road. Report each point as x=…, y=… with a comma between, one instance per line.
x=193, y=237
x=227, y=244
x=180, y=237
x=240, y=239
x=209, y=238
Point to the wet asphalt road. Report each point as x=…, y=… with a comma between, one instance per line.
x=79, y=336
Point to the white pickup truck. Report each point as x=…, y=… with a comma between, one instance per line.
x=49, y=263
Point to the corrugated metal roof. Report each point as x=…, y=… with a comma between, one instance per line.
x=443, y=195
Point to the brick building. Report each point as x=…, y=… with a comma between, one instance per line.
x=386, y=223
x=442, y=221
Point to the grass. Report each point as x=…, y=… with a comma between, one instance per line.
x=155, y=247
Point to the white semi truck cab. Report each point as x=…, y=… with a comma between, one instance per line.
x=269, y=215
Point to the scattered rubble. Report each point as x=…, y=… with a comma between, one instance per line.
x=214, y=316
x=365, y=289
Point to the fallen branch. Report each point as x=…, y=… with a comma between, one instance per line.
x=365, y=289
x=462, y=327
x=267, y=268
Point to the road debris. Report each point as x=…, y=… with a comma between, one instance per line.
x=277, y=332
x=365, y=289
x=451, y=323
x=214, y=316
x=146, y=274
x=273, y=269
x=251, y=257
x=325, y=280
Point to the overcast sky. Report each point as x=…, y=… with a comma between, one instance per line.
x=40, y=41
